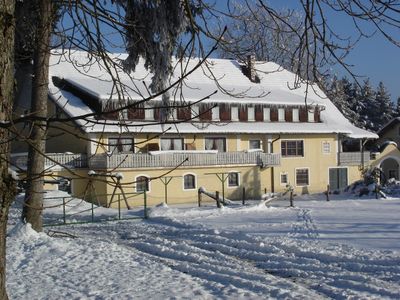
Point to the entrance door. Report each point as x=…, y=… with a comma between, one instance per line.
x=337, y=178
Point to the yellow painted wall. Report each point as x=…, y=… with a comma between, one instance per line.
x=253, y=178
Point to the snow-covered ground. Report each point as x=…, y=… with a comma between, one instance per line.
x=348, y=248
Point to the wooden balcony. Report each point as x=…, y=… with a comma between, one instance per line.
x=171, y=160
x=353, y=158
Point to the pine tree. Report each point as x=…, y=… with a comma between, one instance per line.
x=370, y=107
x=386, y=107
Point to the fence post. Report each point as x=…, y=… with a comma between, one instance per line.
x=145, y=204
x=119, y=207
x=327, y=192
x=199, y=198
x=217, y=198
x=64, y=217
x=291, y=198
x=244, y=196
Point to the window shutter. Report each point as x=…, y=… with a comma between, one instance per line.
x=288, y=114
x=259, y=114
x=274, y=114
x=243, y=113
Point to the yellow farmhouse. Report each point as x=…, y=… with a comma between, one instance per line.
x=240, y=129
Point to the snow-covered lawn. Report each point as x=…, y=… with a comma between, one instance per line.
x=342, y=249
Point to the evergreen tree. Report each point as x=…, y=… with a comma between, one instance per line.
x=386, y=107
x=370, y=107
x=397, y=111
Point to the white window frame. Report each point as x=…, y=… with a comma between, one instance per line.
x=183, y=182
x=281, y=114
x=310, y=115
x=148, y=182
x=234, y=113
x=119, y=138
x=238, y=179
x=308, y=175
x=171, y=138
x=148, y=113
x=326, y=150
x=295, y=115
x=194, y=112
x=215, y=113
x=267, y=114
x=261, y=144
x=216, y=137
x=293, y=156
x=251, y=117
x=287, y=178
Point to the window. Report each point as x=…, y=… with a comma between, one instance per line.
x=250, y=113
x=235, y=113
x=337, y=178
x=167, y=144
x=189, y=182
x=326, y=147
x=148, y=112
x=302, y=177
x=215, y=113
x=266, y=112
x=142, y=184
x=292, y=148
x=295, y=115
x=233, y=179
x=119, y=144
x=284, y=179
x=255, y=144
x=281, y=114
x=310, y=115
x=215, y=144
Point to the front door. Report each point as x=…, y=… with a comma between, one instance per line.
x=337, y=178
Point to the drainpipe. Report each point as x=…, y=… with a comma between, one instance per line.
x=273, y=169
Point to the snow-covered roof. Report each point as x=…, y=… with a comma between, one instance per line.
x=225, y=77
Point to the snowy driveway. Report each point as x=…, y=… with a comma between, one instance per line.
x=244, y=252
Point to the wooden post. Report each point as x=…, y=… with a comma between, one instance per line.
x=199, y=198
x=217, y=198
x=291, y=198
x=327, y=192
x=243, y=196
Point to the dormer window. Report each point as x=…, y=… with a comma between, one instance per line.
x=215, y=113
x=295, y=115
x=267, y=114
x=281, y=114
x=310, y=115
x=250, y=114
x=235, y=113
x=148, y=112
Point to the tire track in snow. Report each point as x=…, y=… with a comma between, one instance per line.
x=283, y=267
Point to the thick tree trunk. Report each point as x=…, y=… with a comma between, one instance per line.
x=7, y=185
x=32, y=212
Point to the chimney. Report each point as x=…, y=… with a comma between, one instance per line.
x=251, y=71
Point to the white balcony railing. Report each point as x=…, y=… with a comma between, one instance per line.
x=171, y=160
x=353, y=158
x=72, y=161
